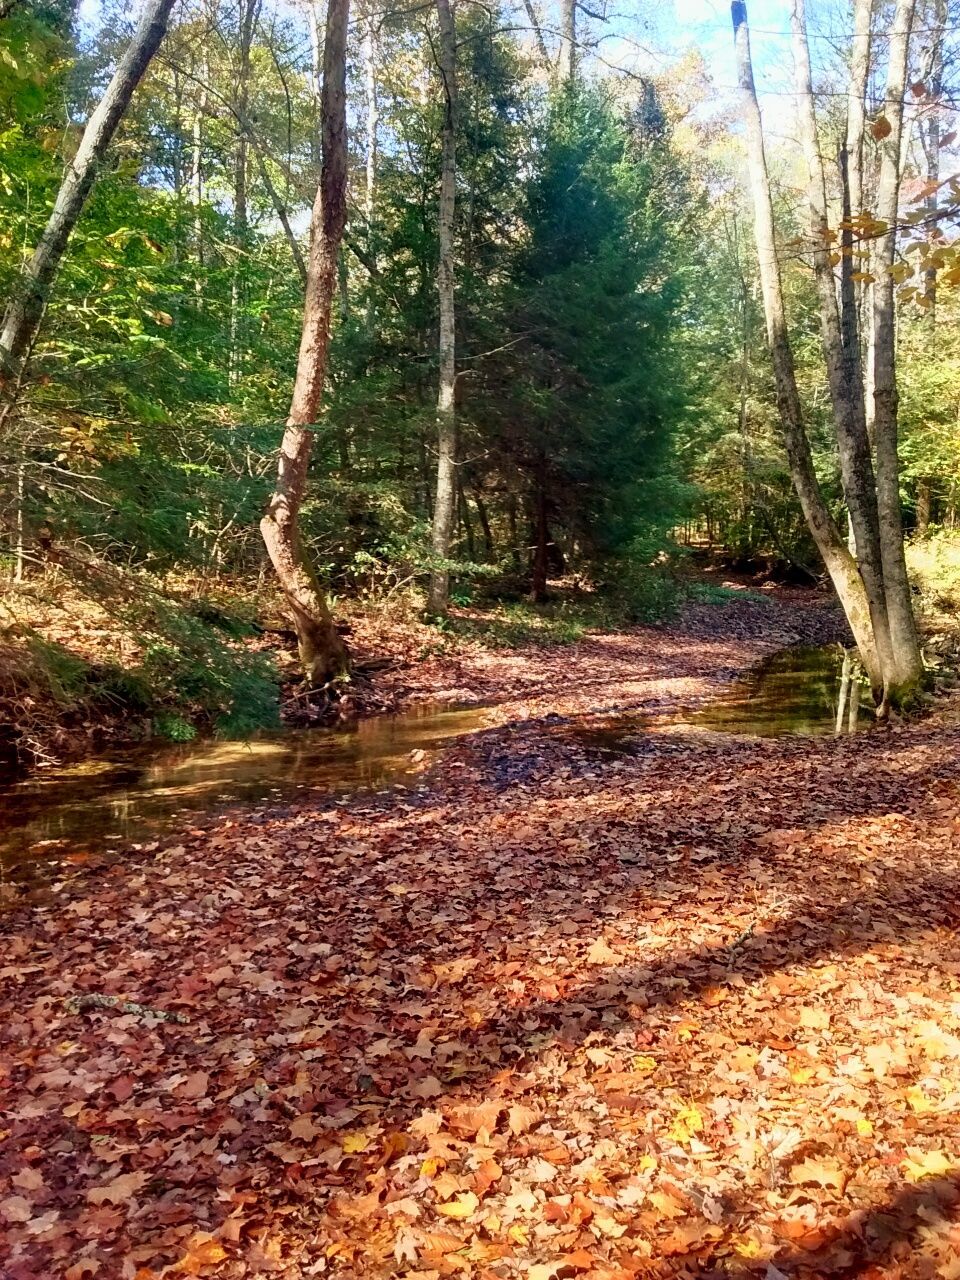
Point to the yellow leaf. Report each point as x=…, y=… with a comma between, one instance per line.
x=644, y=1065
x=354, y=1141
x=918, y=1100
x=822, y=1173
x=926, y=1164
x=462, y=1207
x=202, y=1251
x=864, y=1127
x=666, y=1204
x=688, y=1122
x=749, y=1247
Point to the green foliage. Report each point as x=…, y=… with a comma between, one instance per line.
x=189, y=666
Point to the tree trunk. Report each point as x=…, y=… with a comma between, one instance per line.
x=857, y=99
x=832, y=547
x=567, y=68
x=373, y=117
x=842, y=360
x=249, y=10
x=924, y=504
x=323, y=654
x=855, y=295
x=907, y=671
x=445, y=502
x=537, y=34
x=25, y=308
x=484, y=519
x=541, y=539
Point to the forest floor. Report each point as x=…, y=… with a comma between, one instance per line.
x=690, y=1009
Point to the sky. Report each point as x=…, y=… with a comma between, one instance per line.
x=647, y=35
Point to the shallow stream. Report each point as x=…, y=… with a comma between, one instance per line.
x=65, y=816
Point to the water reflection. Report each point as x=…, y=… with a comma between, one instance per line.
x=803, y=690
x=74, y=813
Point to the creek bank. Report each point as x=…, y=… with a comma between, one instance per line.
x=64, y=821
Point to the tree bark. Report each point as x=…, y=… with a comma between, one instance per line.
x=323, y=654
x=832, y=547
x=373, y=117
x=25, y=309
x=445, y=502
x=537, y=34
x=857, y=99
x=906, y=674
x=567, y=68
x=842, y=359
x=541, y=539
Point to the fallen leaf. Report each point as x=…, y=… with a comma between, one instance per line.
x=462, y=1207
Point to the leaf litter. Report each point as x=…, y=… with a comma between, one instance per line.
x=692, y=1012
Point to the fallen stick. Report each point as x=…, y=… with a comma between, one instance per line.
x=77, y=1004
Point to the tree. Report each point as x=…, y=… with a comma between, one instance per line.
x=839, y=562
x=25, y=309
x=323, y=655
x=446, y=491
x=906, y=671
x=872, y=584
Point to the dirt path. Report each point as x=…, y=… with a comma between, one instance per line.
x=692, y=1012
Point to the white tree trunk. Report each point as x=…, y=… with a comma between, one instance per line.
x=445, y=501
x=568, y=40
x=373, y=116
x=841, y=359
x=907, y=671
x=25, y=309
x=831, y=545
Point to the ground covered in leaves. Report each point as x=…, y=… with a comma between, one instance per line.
x=690, y=1010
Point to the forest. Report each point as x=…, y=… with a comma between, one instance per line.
x=479, y=639
x=539, y=343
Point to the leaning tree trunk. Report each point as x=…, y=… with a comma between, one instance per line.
x=25, y=308
x=841, y=359
x=907, y=671
x=445, y=503
x=832, y=547
x=323, y=654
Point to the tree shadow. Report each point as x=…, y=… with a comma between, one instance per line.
x=346, y=997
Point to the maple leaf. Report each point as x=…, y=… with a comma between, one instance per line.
x=687, y=1122
x=667, y=1204
x=426, y=1123
x=462, y=1207
x=520, y=1118
x=122, y=1188
x=468, y=1121
x=823, y=1173
x=926, y=1164
x=305, y=1128
x=601, y=953
x=203, y=1250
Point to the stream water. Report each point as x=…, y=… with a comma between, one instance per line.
x=64, y=816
